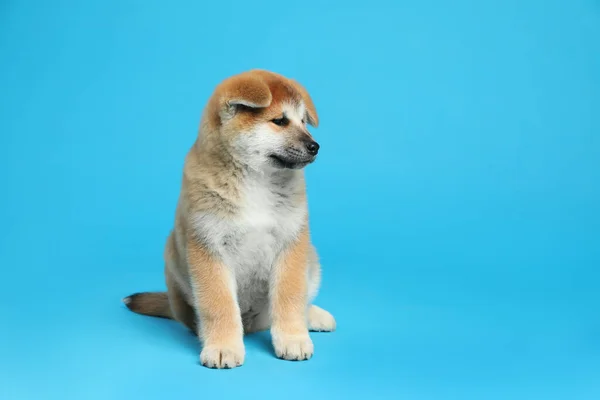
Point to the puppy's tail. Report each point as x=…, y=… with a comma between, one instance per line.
x=155, y=304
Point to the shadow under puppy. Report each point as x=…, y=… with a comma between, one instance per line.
x=240, y=257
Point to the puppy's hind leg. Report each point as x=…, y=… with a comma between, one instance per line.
x=180, y=309
x=320, y=320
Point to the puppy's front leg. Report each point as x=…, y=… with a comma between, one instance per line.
x=289, y=302
x=221, y=329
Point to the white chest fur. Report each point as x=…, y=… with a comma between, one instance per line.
x=250, y=242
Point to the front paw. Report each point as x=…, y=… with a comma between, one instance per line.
x=222, y=356
x=293, y=347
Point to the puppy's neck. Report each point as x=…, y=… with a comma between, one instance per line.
x=215, y=154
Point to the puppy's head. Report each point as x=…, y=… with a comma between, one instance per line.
x=262, y=117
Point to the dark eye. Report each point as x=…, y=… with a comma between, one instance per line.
x=283, y=121
x=303, y=121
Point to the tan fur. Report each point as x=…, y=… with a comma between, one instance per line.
x=221, y=328
x=313, y=118
x=288, y=310
x=202, y=288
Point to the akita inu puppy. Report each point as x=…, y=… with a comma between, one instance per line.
x=240, y=258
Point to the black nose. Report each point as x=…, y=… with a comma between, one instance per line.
x=312, y=147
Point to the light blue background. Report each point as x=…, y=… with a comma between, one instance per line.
x=456, y=201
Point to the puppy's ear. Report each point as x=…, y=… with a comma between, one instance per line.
x=311, y=111
x=246, y=90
